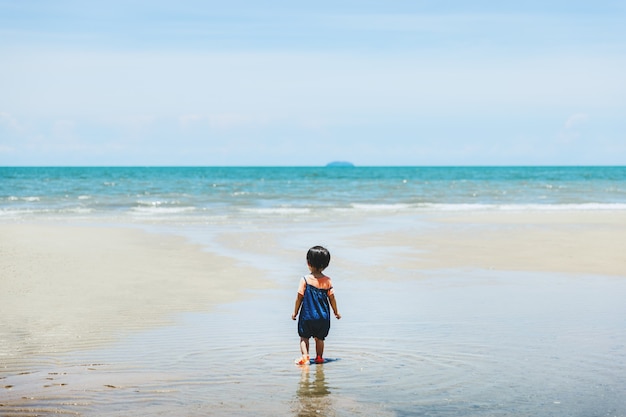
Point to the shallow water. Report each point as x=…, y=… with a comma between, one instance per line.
x=457, y=343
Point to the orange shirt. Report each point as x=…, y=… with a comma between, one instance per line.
x=323, y=283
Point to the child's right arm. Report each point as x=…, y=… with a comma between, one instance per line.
x=333, y=304
x=297, y=306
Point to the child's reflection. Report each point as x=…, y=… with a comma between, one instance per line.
x=312, y=396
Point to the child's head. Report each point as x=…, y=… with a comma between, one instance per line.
x=318, y=257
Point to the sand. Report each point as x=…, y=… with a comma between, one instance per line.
x=69, y=287
x=67, y=291
x=561, y=242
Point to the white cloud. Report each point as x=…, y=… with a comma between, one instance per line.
x=9, y=121
x=221, y=121
x=576, y=120
x=571, y=130
x=233, y=120
x=187, y=120
x=63, y=128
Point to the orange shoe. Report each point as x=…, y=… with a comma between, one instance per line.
x=319, y=359
x=305, y=360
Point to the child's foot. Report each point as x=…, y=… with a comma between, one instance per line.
x=303, y=361
x=319, y=359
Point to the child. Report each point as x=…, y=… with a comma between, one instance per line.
x=314, y=294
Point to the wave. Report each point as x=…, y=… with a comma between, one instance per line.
x=21, y=212
x=163, y=208
x=380, y=207
x=525, y=207
x=29, y=199
x=157, y=203
x=404, y=207
x=277, y=210
x=159, y=210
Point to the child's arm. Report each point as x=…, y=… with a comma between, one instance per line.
x=297, y=307
x=333, y=304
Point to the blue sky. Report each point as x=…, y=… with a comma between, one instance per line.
x=280, y=83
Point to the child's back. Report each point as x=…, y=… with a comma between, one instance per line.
x=314, y=300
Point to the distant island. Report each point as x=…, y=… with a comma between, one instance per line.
x=340, y=164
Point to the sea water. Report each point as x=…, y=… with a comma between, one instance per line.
x=213, y=194
x=472, y=344
x=453, y=343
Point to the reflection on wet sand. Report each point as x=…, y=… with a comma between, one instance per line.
x=312, y=397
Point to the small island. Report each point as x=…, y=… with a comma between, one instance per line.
x=337, y=164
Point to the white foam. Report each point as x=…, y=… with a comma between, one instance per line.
x=158, y=203
x=157, y=210
x=456, y=207
x=149, y=203
x=77, y=210
x=278, y=210
x=526, y=207
x=380, y=207
x=29, y=199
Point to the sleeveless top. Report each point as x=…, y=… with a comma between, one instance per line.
x=315, y=304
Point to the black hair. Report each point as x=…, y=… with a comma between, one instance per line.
x=318, y=257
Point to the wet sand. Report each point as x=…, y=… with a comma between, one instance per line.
x=567, y=242
x=68, y=287
x=444, y=314
x=400, y=246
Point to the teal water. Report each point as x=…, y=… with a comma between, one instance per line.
x=212, y=192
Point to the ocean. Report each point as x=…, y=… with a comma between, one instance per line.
x=443, y=339
x=215, y=194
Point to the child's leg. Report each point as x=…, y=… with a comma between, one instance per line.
x=304, y=347
x=319, y=348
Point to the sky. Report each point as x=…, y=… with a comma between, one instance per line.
x=281, y=83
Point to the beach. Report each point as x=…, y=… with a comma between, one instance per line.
x=455, y=313
x=166, y=166
x=72, y=286
x=561, y=242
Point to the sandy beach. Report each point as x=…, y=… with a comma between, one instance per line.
x=568, y=242
x=68, y=286
x=68, y=289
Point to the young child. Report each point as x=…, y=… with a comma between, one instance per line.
x=315, y=293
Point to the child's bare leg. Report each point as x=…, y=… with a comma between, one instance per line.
x=319, y=348
x=304, y=347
